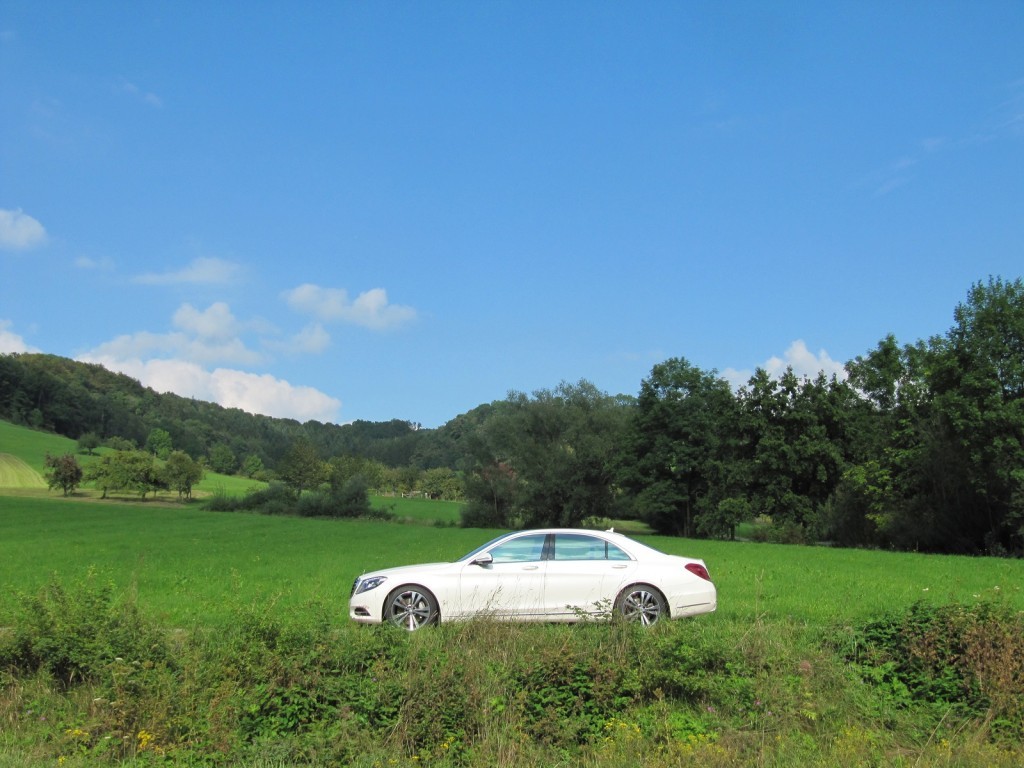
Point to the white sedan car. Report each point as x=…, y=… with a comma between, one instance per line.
x=555, y=574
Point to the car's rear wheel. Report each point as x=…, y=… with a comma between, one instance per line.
x=642, y=603
x=410, y=607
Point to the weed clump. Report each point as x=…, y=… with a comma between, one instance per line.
x=967, y=660
x=86, y=678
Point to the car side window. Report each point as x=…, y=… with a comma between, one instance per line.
x=524, y=549
x=575, y=546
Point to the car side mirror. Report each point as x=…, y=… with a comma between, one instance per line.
x=482, y=560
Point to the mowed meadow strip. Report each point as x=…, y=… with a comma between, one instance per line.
x=15, y=473
x=189, y=566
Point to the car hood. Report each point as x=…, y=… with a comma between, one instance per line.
x=405, y=569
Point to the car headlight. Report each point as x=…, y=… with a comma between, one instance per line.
x=372, y=583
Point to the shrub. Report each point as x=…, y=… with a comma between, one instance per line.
x=75, y=634
x=969, y=658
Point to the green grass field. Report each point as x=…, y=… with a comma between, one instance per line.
x=31, y=447
x=15, y=473
x=189, y=565
x=759, y=682
x=186, y=562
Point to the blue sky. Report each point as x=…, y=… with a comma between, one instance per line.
x=352, y=210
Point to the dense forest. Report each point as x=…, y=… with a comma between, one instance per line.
x=920, y=446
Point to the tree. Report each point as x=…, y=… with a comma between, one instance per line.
x=302, y=467
x=441, y=483
x=675, y=460
x=63, y=472
x=252, y=466
x=125, y=471
x=978, y=385
x=222, y=459
x=546, y=460
x=88, y=443
x=159, y=443
x=181, y=472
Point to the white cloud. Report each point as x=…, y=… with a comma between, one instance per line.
x=313, y=338
x=798, y=357
x=84, y=262
x=19, y=231
x=144, y=344
x=370, y=309
x=207, y=336
x=145, y=97
x=215, y=322
x=12, y=342
x=197, y=359
x=201, y=270
x=251, y=392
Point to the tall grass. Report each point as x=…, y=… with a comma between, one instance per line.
x=89, y=678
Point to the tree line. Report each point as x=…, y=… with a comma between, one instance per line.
x=918, y=447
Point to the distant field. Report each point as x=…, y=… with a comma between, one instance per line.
x=419, y=510
x=32, y=446
x=27, y=449
x=191, y=566
x=15, y=473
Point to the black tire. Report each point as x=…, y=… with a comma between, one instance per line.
x=411, y=607
x=642, y=603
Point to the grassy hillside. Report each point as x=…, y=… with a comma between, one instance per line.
x=15, y=473
x=23, y=450
x=31, y=446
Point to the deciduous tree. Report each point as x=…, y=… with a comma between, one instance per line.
x=181, y=472
x=63, y=472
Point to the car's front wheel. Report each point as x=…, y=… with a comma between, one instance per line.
x=641, y=602
x=410, y=607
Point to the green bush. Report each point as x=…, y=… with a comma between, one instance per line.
x=965, y=658
x=76, y=634
x=86, y=679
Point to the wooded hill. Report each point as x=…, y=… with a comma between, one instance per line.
x=920, y=447
x=72, y=399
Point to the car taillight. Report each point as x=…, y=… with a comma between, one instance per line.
x=698, y=570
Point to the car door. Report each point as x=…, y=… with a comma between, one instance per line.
x=584, y=575
x=506, y=580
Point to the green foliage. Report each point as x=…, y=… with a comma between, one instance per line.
x=133, y=471
x=181, y=472
x=274, y=499
x=63, y=472
x=252, y=466
x=88, y=442
x=350, y=500
x=959, y=657
x=159, y=443
x=289, y=687
x=302, y=468
x=546, y=459
x=222, y=459
x=77, y=633
x=677, y=448
x=441, y=483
